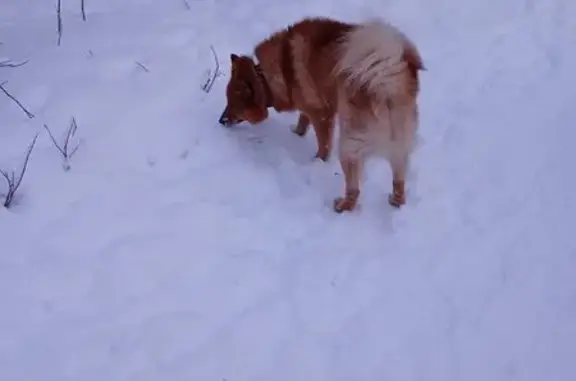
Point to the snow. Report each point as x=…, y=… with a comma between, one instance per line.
x=175, y=249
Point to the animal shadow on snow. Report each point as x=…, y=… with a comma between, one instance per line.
x=274, y=148
x=272, y=142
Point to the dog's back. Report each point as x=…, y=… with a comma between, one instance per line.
x=298, y=62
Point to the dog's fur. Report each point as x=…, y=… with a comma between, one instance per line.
x=364, y=74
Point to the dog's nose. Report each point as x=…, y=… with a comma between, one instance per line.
x=223, y=118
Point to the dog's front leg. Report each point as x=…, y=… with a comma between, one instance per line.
x=323, y=127
x=352, y=168
x=302, y=126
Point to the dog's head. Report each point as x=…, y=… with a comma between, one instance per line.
x=245, y=93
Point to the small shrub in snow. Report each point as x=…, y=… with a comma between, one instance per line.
x=14, y=182
x=212, y=74
x=64, y=148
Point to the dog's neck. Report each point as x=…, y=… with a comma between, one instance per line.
x=264, y=82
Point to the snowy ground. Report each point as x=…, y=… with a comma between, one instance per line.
x=175, y=249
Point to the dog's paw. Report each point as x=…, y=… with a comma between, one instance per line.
x=342, y=204
x=396, y=200
x=299, y=130
x=323, y=155
x=346, y=203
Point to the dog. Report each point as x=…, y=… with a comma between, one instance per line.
x=364, y=75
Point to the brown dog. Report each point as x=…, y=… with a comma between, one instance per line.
x=366, y=74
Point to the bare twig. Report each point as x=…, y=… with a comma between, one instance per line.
x=143, y=67
x=212, y=74
x=83, y=10
x=9, y=63
x=59, y=16
x=64, y=149
x=28, y=113
x=12, y=181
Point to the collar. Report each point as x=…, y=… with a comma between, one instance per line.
x=264, y=82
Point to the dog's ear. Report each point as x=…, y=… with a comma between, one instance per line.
x=233, y=57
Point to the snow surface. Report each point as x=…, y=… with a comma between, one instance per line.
x=175, y=249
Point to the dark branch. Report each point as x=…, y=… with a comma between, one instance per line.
x=83, y=10
x=28, y=113
x=143, y=67
x=59, y=16
x=8, y=63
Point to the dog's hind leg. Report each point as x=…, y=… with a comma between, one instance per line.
x=404, y=121
x=352, y=168
x=399, y=165
x=353, y=143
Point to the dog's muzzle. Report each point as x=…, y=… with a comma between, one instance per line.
x=224, y=118
x=225, y=121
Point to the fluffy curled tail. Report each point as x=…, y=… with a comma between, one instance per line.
x=377, y=57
